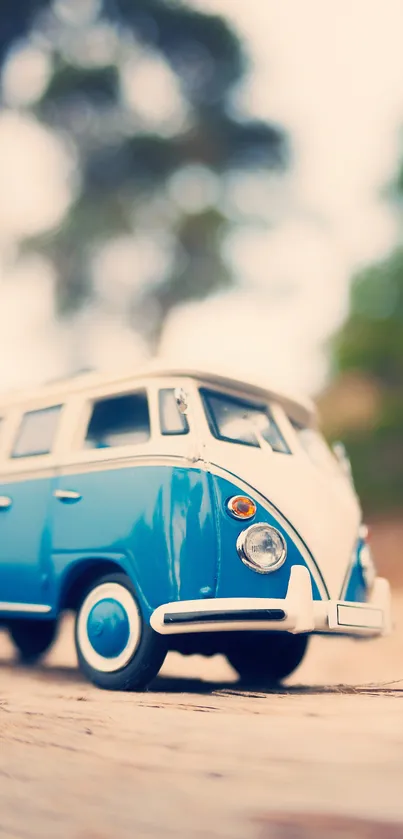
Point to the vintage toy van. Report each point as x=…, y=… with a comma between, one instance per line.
x=178, y=510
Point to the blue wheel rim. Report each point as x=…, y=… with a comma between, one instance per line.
x=108, y=628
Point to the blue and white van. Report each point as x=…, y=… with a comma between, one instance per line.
x=181, y=510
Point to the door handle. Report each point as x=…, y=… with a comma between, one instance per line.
x=5, y=502
x=67, y=495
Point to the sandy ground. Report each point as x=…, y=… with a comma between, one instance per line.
x=196, y=756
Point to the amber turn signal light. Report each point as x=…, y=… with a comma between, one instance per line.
x=241, y=507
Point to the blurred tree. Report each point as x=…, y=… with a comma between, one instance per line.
x=369, y=360
x=142, y=91
x=16, y=21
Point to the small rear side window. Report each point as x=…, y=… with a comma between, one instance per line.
x=119, y=421
x=171, y=419
x=37, y=432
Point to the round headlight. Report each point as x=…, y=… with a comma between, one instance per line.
x=367, y=565
x=262, y=548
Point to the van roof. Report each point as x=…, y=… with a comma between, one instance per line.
x=300, y=407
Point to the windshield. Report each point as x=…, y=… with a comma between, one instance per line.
x=239, y=421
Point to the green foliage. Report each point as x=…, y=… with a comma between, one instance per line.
x=377, y=457
x=372, y=339
x=200, y=48
x=16, y=21
x=98, y=85
x=371, y=342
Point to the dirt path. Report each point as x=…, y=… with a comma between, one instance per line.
x=194, y=759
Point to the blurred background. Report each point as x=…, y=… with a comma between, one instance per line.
x=212, y=181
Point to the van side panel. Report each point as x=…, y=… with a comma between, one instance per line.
x=158, y=519
x=25, y=571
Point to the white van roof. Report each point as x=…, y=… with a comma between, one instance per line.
x=298, y=405
x=301, y=408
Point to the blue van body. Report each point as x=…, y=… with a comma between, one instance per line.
x=162, y=517
x=166, y=527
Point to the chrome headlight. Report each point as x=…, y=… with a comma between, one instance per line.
x=367, y=565
x=262, y=548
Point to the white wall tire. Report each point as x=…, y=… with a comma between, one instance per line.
x=116, y=647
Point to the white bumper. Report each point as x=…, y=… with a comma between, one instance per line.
x=296, y=613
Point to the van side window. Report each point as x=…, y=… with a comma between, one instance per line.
x=36, y=432
x=119, y=421
x=239, y=421
x=171, y=419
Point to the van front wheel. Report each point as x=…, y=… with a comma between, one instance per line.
x=265, y=658
x=117, y=649
x=32, y=638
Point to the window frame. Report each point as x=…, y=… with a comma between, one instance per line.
x=204, y=394
x=78, y=414
x=164, y=433
x=7, y=427
x=263, y=407
x=40, y=453
x=107, y=397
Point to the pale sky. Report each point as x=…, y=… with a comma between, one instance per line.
x=329, y=71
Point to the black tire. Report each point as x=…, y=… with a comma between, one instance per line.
x=265, y=658
x=142, y=664
x=32, y=638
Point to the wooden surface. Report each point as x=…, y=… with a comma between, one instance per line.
x=197, y=756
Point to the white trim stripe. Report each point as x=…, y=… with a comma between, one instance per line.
x=34, y=608
x=101, y=464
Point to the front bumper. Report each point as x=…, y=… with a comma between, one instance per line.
x=296, y=613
